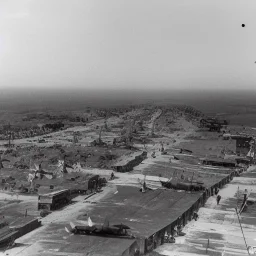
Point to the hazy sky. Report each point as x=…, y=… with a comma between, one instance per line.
x=127, y=44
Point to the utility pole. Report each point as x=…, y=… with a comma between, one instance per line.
x=242, y=231
x=237, y=197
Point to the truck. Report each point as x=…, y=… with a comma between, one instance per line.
x=54, y=200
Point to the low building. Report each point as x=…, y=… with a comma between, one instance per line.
x=75, y=181
x=226, y=136
x=3, y=223
x=127, y=163
x=244, y=143
x=25, y=225
x=218, y=162
x=7, y=236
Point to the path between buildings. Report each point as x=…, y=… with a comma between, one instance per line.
x=217, y=231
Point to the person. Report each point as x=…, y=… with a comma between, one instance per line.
x=218, y=199
x=195, y=216
x=179, y=229
x=174, y=231
x=166, y=238
x=112, y=176
x=172, y=240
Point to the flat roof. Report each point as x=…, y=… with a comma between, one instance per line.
x=6, y=232
x=125, y=159
x=241, y=136
x=145, y=213
x=235, y=157
x=226, y=135
x=209, y=175
x=54, y=240
x=54, y=192
x=22, y=221
x=219, y=160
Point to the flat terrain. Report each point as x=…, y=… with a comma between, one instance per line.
x=153, y=129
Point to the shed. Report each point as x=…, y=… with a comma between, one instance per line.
x=218, y=162
x=25, y=225
x=7, y=235
x=126, y=163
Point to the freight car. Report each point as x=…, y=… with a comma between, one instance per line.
x=54, y=200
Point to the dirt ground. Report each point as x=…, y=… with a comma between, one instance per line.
x=173, y=130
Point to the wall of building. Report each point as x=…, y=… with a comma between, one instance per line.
x=28, y=227
x=158, y=238
x=131, y=164
x=133, y=250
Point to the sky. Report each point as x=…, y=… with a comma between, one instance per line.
x=127, y=44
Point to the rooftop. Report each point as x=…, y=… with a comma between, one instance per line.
x=241, y=136
x=56, y=192
x=6, y=233
x=22, y=221
x=80, y=181
x=55, y=241
x=219, y=160
x=125, y=159
x=145, y=213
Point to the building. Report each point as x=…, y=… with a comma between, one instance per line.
x=75, y=181
x=127, y=163
x=54, y=200
x=244, y=144
x=25, y=225
x=7, y=236
x=226, y=136
x=218, y=162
